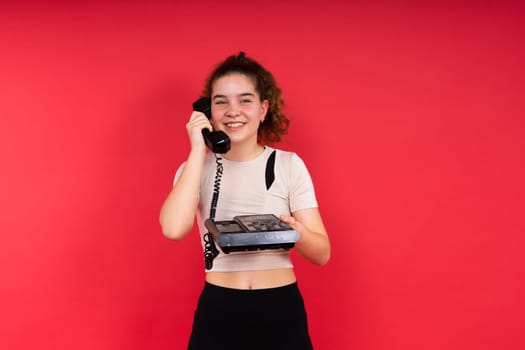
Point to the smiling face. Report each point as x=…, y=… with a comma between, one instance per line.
x=237, y=109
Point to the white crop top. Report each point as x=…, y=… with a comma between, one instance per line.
x=243, y=192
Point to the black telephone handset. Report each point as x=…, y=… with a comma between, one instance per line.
x=217, y=141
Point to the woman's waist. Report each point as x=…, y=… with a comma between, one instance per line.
x=256, y=279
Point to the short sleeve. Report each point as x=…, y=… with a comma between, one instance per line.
x=178, y=173
x=302, y=193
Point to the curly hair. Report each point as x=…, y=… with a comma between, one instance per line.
x=275, y=125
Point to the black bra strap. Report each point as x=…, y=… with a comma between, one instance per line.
x=270, y=173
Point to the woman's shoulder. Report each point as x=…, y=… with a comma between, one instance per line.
x=289, y=161
x=286, y=155
x=281, y=152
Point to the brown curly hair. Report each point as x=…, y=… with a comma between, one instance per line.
x=275, y=125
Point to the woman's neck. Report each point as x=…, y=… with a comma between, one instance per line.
x=243, y=153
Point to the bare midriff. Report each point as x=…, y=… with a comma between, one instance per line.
x=260, y=279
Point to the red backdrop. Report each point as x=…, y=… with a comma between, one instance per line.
x=409, y=117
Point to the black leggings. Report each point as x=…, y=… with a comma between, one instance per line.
x=232, y=319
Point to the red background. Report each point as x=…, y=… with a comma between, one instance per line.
x=410, y=118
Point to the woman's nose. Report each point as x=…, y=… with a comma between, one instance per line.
x=233, y=110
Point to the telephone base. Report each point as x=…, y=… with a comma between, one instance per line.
x=252, y=232
x=238, y=242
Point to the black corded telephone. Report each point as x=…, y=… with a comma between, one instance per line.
x=217, y=141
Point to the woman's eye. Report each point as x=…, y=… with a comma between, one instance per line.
x=219, y=102
x=246, y=101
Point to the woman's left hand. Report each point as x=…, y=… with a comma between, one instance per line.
x=313, y=243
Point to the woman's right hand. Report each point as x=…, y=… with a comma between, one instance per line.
x=198, y=121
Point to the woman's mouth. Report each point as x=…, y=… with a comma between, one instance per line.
x=233, y=125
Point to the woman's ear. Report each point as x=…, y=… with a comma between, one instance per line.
x=264, y=109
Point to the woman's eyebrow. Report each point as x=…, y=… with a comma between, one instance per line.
x=240, y=95
x=218, y=96
x=247, y=94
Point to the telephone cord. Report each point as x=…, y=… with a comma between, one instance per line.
x=210, y=249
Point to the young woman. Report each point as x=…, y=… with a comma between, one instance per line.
x=250, y=299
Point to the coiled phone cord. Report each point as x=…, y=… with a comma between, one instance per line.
x=210, y=249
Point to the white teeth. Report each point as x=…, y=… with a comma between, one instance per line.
x=234, y=125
